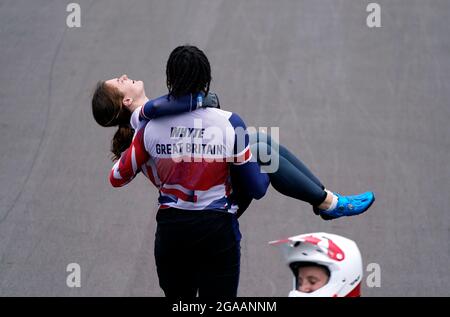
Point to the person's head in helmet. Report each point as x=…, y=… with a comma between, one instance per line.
x=310, y=276
x=323, y=265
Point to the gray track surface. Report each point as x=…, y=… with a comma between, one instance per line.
x=366, y=109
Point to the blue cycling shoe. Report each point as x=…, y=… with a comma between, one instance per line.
x=348, y=206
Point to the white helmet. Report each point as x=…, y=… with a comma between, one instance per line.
x=340, y=255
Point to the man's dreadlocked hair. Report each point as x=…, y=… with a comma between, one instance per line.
x=188, y=71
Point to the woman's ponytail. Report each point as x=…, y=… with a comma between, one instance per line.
x=122, y=140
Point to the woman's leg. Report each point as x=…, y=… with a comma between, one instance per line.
x=292, y=178
x=286, y=154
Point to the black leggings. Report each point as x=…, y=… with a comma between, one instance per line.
x=292, y=178
x=197, y=251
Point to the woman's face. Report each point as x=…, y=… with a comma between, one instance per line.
x=311, y=278
x=131, y=89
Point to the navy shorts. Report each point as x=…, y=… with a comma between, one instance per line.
x=197, y=252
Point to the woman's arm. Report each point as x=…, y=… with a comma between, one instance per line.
x=130, y=162
x=162, y=106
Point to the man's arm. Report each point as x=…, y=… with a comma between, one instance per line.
x=252, y=183
x=239, y=195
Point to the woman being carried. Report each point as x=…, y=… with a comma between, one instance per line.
x=292, y=178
